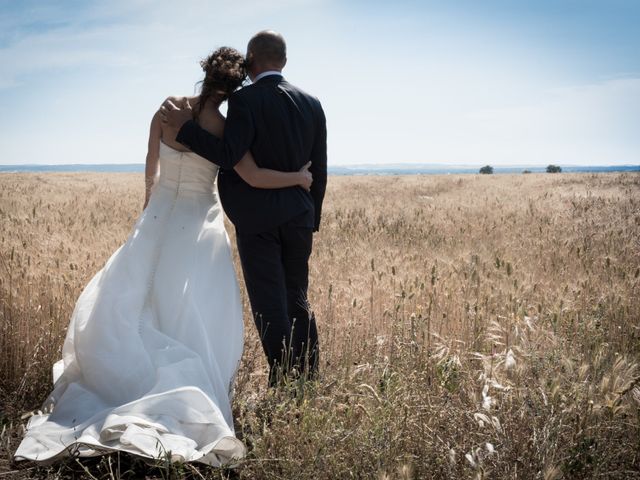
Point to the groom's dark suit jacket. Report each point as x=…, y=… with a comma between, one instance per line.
x=284, y=128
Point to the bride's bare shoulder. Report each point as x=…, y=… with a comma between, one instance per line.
x=180, y=101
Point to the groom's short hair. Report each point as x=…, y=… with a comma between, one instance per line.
x=268, y=47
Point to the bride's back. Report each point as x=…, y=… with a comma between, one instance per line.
x=183, y=173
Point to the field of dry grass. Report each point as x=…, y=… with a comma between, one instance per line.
x=471, y=327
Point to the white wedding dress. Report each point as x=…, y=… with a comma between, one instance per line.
x=155, y=340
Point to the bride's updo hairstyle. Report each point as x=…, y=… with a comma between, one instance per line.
x=224, y=73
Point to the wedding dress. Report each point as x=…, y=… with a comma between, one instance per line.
x=155, y=339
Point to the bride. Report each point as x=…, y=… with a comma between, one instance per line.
x=155, y=339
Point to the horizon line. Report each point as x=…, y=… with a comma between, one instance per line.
x=352, y=166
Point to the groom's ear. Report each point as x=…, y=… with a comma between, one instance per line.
x=284, y=62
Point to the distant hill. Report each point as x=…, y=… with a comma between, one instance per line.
x=441, y=169
x=364, y=169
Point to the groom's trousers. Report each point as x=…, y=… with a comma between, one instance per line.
x=275, y=264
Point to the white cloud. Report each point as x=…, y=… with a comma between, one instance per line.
x=125, y=33
x=583, y=124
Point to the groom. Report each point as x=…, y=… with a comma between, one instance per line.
x=284, y=128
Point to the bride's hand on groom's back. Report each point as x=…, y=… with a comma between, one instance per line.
x=306, y=178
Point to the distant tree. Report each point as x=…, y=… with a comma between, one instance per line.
x=487, y=169
x=553, y=169
x=526, y=171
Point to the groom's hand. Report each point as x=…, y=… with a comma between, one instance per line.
x=174, y=116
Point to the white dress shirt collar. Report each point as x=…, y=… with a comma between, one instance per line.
x=264, y=74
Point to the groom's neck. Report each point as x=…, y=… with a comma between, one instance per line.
x=260, y=69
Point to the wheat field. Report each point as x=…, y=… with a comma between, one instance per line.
x=471, y=326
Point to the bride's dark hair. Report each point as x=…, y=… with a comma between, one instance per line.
x=224, y=73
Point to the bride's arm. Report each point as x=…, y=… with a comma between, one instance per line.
x=266, y=178
x=153, y=153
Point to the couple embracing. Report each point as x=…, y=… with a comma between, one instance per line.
x=155, y=339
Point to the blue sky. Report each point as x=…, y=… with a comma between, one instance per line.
x=465, y=82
